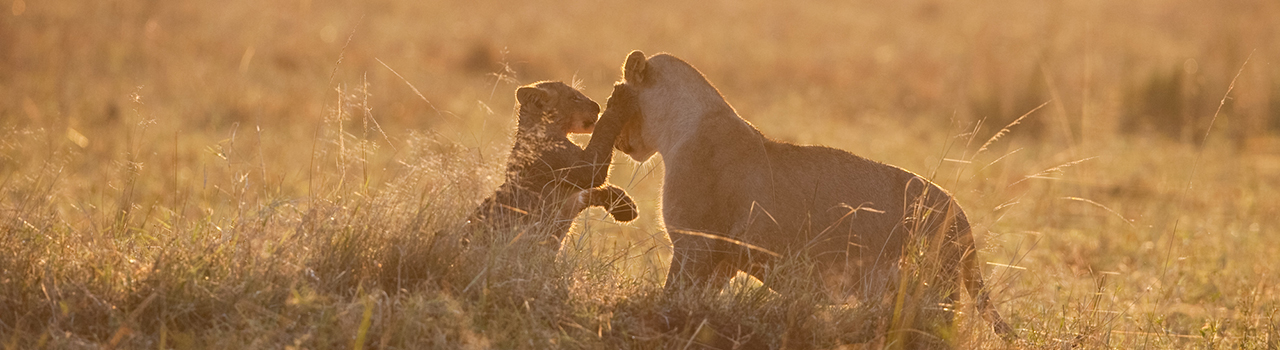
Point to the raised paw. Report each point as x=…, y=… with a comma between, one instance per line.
x=624, y=211
x=620, y=205
x=624, y=101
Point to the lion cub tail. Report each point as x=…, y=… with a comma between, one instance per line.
x=971, y=275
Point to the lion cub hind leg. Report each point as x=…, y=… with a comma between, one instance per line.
x=614, y=199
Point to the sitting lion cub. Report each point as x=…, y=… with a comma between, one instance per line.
x=550, y=179
x=734, y=199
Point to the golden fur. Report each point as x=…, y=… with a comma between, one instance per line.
x=550, y=179
x=733, y=199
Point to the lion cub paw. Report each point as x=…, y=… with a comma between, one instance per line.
x=615, y=199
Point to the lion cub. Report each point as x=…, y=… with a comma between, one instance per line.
x=550, y=179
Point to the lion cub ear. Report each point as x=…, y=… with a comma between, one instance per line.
x=529, y=95
x=633, y=70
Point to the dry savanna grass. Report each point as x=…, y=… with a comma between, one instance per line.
x=293, y=174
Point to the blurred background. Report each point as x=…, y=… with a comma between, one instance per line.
x=1139, y=165
x=1151, y=69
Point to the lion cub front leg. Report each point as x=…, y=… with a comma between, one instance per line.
x=589, y=167
x=697, y=262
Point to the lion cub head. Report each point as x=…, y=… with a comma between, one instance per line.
x=558, y=106
x=674, y=99
x=631, y=141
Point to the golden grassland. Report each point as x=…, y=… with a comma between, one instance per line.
x=267, y=174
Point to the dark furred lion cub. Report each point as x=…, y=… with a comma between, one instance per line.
x=550, y=179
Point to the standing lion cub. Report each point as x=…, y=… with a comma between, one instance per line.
x=550, y=179
x=734, y=199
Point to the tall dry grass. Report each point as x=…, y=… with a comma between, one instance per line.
x=292, y=173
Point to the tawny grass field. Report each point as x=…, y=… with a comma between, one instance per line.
x=278, y=174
